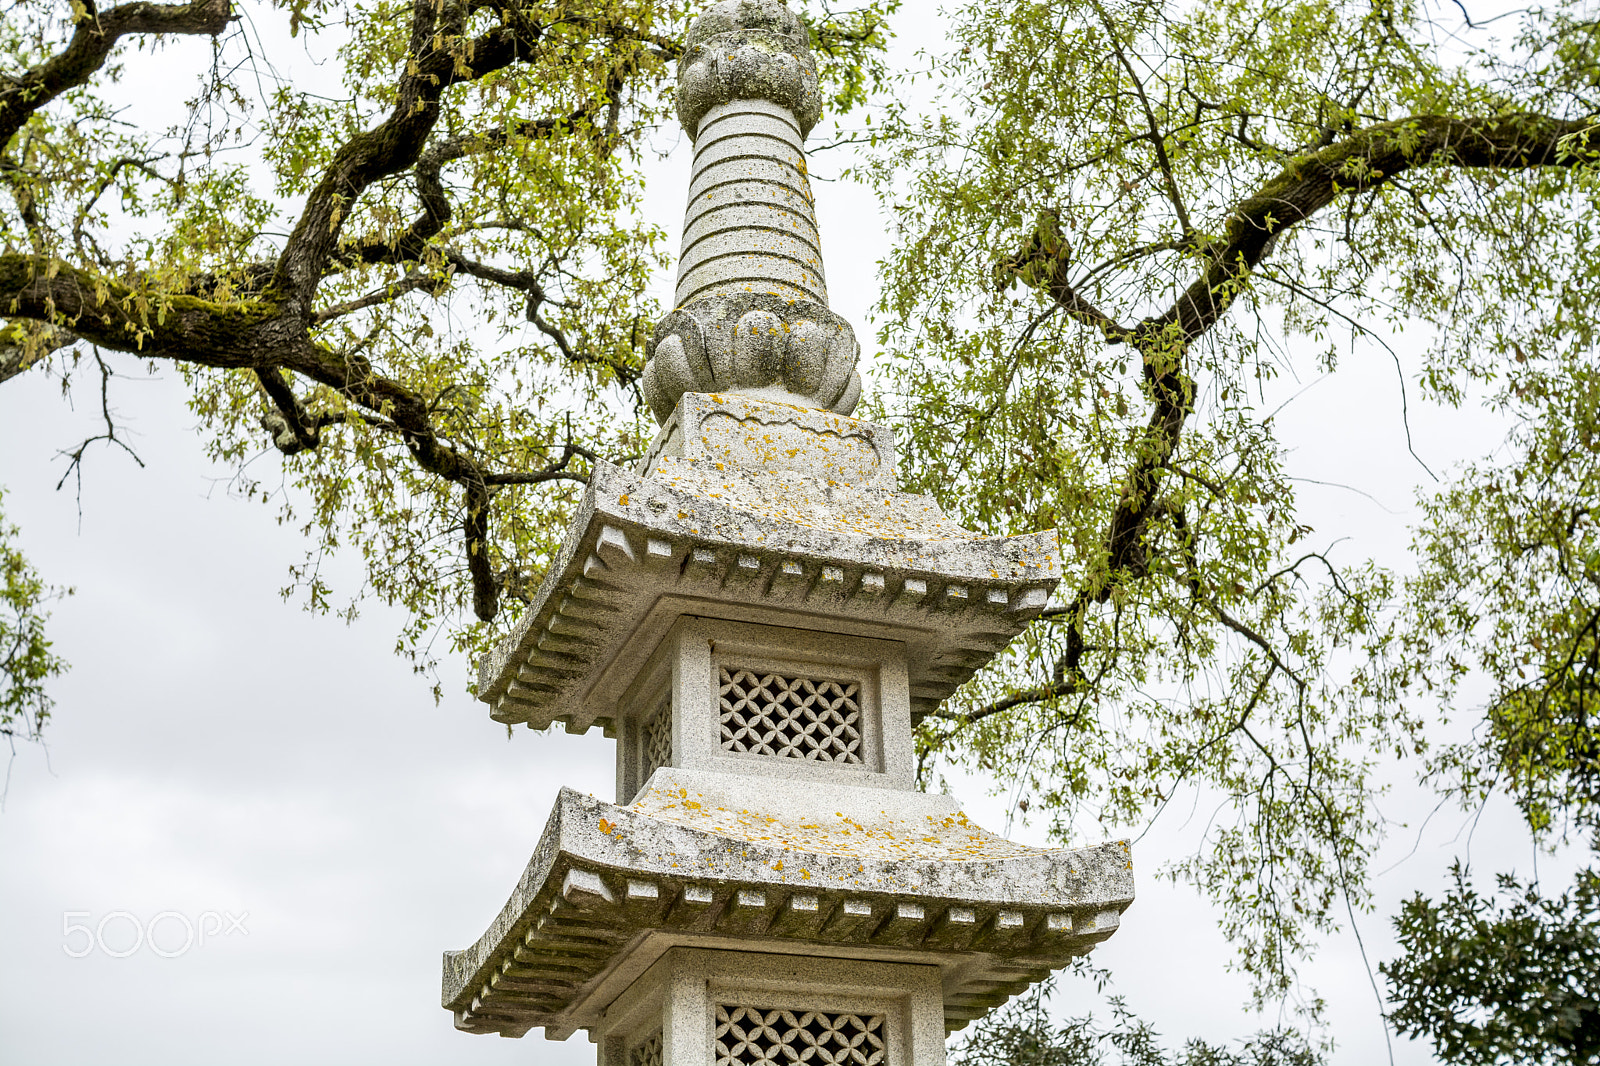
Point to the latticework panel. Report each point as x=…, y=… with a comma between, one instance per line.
x=774, y=1036
x=791, y=717
x=646, y=1052
x=656, y=742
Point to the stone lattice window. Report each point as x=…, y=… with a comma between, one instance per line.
x=656, y=742
x=773, y=1036
x=791, y=717
x=646, y=1052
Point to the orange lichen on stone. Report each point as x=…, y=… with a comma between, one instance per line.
x=952, y=839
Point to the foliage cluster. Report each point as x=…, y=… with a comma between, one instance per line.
x=26, y=662
x=426, y=282
x=1024, y=1034
x=1510, y=980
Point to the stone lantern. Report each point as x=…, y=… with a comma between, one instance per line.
x=760, y=617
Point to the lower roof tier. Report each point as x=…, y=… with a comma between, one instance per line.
x=610, y=889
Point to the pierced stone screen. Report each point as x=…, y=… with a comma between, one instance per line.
x=647, y=1052
x=790, y=717
x=656, y=742
x=767, y=1036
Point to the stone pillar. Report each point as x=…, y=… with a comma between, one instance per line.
x=760, y=616
x=700, y=1008
x=752, y=314
x=751, y=226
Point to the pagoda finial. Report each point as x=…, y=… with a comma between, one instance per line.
x=752, y=303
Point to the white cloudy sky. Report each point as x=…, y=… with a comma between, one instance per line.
x=216, y=750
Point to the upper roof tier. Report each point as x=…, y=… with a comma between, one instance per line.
x=762, y=512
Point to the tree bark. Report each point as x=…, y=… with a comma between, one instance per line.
x=97, y=33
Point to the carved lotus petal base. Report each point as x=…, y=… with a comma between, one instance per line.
x=753, y=342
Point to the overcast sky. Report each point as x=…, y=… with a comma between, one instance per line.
x=226, y=760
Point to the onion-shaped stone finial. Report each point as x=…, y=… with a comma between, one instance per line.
x=748, y=50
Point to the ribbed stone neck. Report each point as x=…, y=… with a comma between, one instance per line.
x=750, y=226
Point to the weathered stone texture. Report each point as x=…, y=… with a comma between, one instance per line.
x=788, y=349
x=750, y=224
x=748, y=50
x=604, y=876
x=767, y=545
x=767, y=1009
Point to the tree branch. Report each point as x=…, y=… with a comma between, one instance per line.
x=1362, y=161
x=96, y=34
x=17, y=356
x=440, y=56
x=410, y=243
x=1157, y=139
x=413, y=281
x=291, y=430
x=262, y=320
x=75, y=457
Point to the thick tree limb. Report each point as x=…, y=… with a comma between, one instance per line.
x=410, y=243
x=96, y=34
x=253, y=336
x=112, y=314
x=440, y=57
x=1364, y=160
x=261, y=318
x=18, y=356
x=485, y=589
x=292, y=430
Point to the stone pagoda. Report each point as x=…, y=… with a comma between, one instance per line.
x=760, y=617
